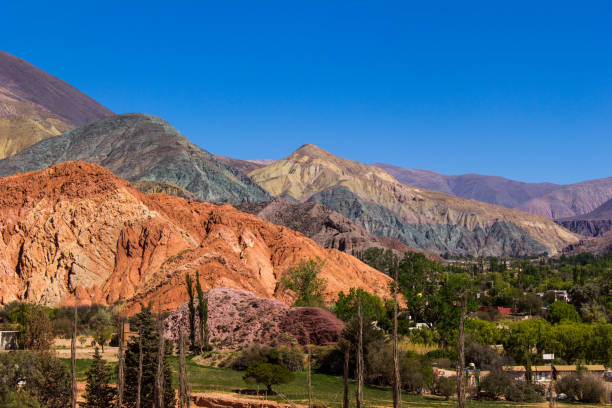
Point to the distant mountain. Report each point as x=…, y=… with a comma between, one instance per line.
x=35, y=105
x=545, y=199
x=74, y=229
x=594, y=224
x=490, y=189
x=141, y=147
x=326, y=227
x=245, y=166
x=571, y=200
x=420, y=218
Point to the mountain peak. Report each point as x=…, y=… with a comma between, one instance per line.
x=312, y=151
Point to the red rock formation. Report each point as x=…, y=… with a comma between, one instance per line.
x=76, y=228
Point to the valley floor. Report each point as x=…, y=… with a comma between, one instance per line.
x=327, y=389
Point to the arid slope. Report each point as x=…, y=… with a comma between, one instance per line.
x=421, y=218
x=75, y=228
x=35, y=105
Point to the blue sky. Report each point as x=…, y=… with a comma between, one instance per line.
x=517, y=89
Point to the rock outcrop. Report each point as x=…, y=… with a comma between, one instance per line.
x=326, y=227
x=35, y=105
x=420, y=218
x=237, y=318
x=74, y=229
x=594, y=224
x=139, y=147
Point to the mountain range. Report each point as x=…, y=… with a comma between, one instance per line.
x=146, y=215
x=35, y=105
x=544, y=199
x=141, y=147
x=422, y=219
x=75, y=229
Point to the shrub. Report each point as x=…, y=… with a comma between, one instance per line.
x=582, y=388
x=445, y=386
x=498, y=384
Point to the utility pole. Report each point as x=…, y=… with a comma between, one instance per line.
x=397, y=384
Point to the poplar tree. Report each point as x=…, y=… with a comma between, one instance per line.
x=202, y=315
x=192, y=336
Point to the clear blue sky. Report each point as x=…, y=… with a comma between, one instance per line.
x=517, y=89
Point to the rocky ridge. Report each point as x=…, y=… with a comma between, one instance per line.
x=140, y=147
x=422, y=219
x=74, y=229
x=35, y=105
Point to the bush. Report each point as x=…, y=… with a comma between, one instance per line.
x=288, y=357
x=499, y=384
x=445, y=386
x=582, y=388
x=48, y=379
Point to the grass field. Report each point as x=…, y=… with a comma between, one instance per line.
x=326, y=389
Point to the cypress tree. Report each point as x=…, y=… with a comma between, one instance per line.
x=202, y=315
x=98, y=392
x=191, y=307
x=146, y=324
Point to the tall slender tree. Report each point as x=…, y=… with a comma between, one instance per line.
x=184, y=388
x=202, y=315
x=345, y=377
x=73, y=401
x=192, y=313
x=360, y=363
x=121, y=364
x=161, y=356
x=397, y=384
x=461, y=397
x=140, y=368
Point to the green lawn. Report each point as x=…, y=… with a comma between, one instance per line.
x=326, y=389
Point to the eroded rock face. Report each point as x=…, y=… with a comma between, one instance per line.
x=594, y=224
x=423, y=219
x=327, y=228
x=74, y=229
x=238, y=318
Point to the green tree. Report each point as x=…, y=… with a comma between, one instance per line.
x=36, y=329
x=560, y=311
x=372, y=307
x=303, y=279
x=102, y=327
x=191, y=307
x=145, y=323
x=202, y=315
x=419, y=279
x=268, y=375
x=98, y=392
